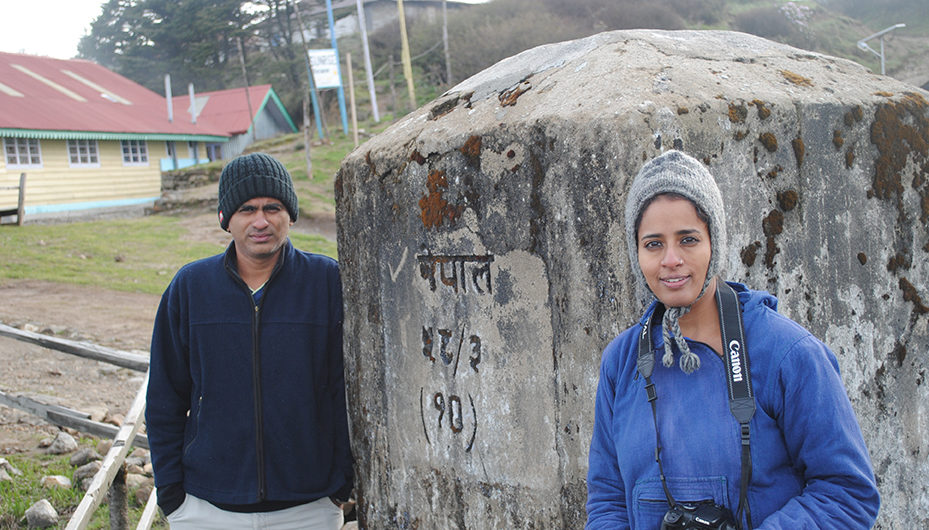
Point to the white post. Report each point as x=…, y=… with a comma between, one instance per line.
x=351, y=96
x=168, y=98
x=367, y=56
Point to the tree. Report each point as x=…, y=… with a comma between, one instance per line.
x=193, y=40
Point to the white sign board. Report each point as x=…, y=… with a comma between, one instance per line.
x=325, y=67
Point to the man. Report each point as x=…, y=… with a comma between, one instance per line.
x=246, y=409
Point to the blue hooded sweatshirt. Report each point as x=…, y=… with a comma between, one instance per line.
x=810, y=466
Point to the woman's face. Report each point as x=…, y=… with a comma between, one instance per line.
x=674, y=250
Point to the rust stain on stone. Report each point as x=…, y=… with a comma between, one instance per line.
x=901, y=134
x=788, y=199
x=771, y=250
x=910, y=294
x=763, y=111
x=796, y=79
x=799, y=150
x=884, y=94
x=849, y=159
x=773, y=224
x=750, y=253
x=370, y=163
x=682, y=110
x=769, y=141
x=898, y=261
x=415, y=156
x=862, y=258
x=739, y=135
x=435, y=209
x=509, y=97
x=472, y=150
x=443, y=108
x=853, y=116
x=837, y=139
x=737, y=113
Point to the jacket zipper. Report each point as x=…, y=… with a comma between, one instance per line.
x=256, y=379
x=256, y=365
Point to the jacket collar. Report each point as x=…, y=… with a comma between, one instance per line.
x=229, y=260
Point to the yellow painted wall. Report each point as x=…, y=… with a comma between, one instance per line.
x=57, y=183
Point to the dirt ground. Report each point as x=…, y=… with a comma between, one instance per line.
x=105, y=317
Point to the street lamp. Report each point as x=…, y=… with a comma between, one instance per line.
x=863, y=43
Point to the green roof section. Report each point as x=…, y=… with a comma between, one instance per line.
x=97, y=135
x=273, y=96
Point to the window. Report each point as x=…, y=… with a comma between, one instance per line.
x=83, y=153
x=135, y=152
x=22, y=152
x=192, y=151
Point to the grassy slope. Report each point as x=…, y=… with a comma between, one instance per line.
x=142, y=254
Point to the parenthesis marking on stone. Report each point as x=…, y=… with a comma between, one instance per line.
x=422, y=415
x=395, y=273
x=474, y=433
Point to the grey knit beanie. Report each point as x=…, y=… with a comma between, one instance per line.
x=676, y=172
x=250, y=176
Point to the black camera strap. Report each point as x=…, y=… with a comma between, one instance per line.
x=741, y=396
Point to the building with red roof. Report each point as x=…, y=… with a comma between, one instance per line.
x=88, y=138
x=245, y=114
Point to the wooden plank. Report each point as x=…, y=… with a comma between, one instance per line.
x=102, y=430
x=112, y=462
x=150, y=511
x=37, y=408
x=124, y=359
x=65, y=417
x=21, y=205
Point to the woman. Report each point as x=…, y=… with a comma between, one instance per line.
x=808, y=464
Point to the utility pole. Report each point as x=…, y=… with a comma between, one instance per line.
x=248, y=98
x=335, y=46
x=307, y=138
x=405, y=56
x=363, y=26
x=317, y=108
x=351, y=96
x=448, y=62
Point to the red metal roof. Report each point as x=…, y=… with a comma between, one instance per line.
x=227, y=109
x=46, y=94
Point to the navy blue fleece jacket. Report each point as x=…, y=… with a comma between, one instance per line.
x=246, y=400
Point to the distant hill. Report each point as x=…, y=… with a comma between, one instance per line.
x=487, y=33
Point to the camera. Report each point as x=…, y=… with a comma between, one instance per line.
x=701, y=515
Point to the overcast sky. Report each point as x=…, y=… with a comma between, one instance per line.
x=46, y=27
x=52, y=27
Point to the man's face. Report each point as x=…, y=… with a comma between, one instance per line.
x=259, y=228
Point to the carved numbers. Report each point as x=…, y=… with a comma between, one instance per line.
x=446, y=345
x=447, y=411
x=448, y=408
